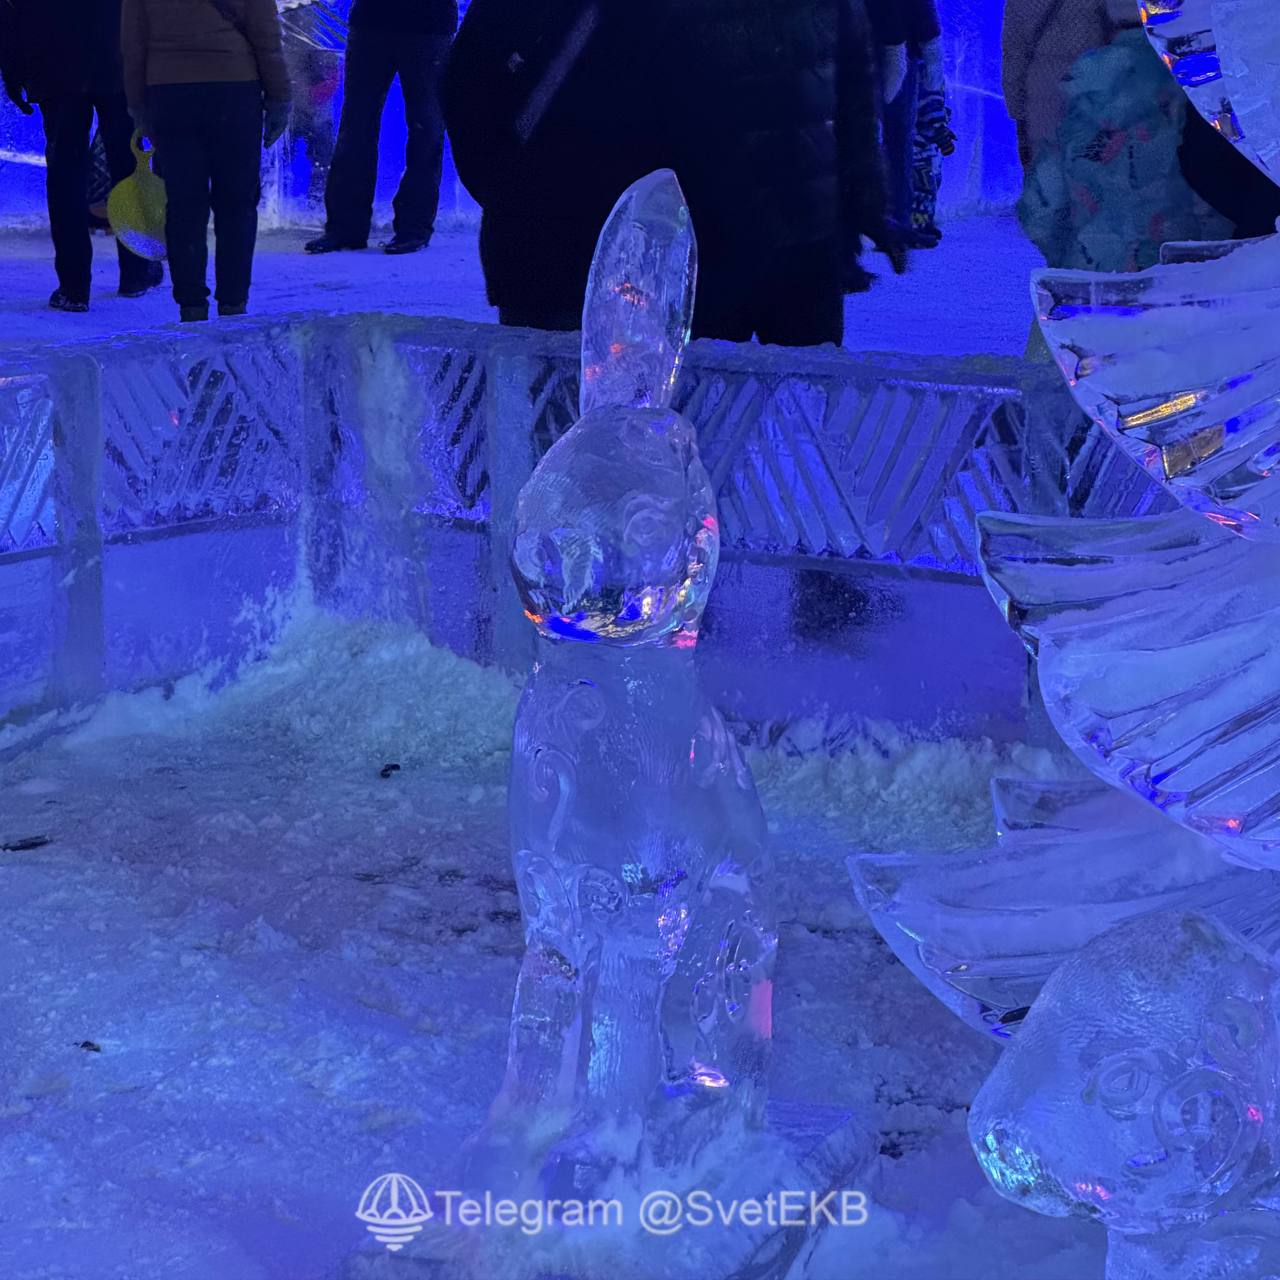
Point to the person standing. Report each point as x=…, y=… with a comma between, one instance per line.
x=200, y=75
x=764, y=114
x=1041, y=41
x=65, y=58
x=546, y=143
x=408, y=39
x=763, y=123
x=916, y=120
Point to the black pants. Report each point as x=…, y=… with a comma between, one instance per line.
x=209, y=148
x=374, y=59
x=67, y=125
x=793, y=297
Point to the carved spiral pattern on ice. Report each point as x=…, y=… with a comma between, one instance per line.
x=1141, y=1091
x=1158, y=660
x=616, y=533
x=645, y=995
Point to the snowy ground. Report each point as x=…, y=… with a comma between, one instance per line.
x=243, y=974
x=971, y=295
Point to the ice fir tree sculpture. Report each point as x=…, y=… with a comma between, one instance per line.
x=1142, y=1089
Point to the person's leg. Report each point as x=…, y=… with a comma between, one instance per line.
x=115, y=128
x=66, y=132
x=234, y=126
x=420, y=67
x=353, y=175
x=177, y=117
x=899, y=146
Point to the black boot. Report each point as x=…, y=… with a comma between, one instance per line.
x=143, y=280
x=60, y=301
x=327, y=243
x=399, y=244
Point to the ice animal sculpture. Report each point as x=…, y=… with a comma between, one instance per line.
x=1142, y=1092
x=640, y=848
x=1154, y=637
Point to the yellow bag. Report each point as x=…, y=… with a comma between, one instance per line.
x=135, y=207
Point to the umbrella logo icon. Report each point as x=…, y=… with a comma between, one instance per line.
x=394, y=1208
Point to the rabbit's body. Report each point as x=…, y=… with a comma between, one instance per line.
x=639, y=847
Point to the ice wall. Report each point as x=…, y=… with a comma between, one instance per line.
x=162, y=501
x=984, y=172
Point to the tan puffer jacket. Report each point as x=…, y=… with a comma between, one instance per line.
x=1042, y=41
x=202, y=41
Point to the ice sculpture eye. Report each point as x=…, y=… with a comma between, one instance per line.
x=1122, y=1083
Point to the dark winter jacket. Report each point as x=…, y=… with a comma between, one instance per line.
x=410, y=17
x=546, y=137
x=759, y=106
x=60, y=48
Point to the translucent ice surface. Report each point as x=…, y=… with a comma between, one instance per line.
x=616, y=532
x=1157, y=659
x=617, y=536
x=1226, y=55
x=983, y=930
x=1180, y=366
x=1141, y=1091
x=645, y=995
x=639, y=305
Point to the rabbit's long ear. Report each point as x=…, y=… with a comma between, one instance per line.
x=639, y=306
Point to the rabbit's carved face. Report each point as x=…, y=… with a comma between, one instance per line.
x=616, y=533
x=1141, y=1089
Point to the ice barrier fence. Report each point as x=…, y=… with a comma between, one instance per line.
x=166, y=501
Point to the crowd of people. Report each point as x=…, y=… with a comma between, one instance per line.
x=793, y=125
x=801, y=130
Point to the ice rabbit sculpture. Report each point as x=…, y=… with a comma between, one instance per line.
x=643, y=1001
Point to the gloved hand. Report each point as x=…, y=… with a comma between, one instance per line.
x=277, y=121
x=17, y=94
x=890, y=240
x=893, y=70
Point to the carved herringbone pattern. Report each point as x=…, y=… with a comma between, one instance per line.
x=27, y=519
x=197, y=435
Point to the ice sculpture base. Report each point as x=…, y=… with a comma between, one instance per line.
x=1236, y=1246
x=802, y=1148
